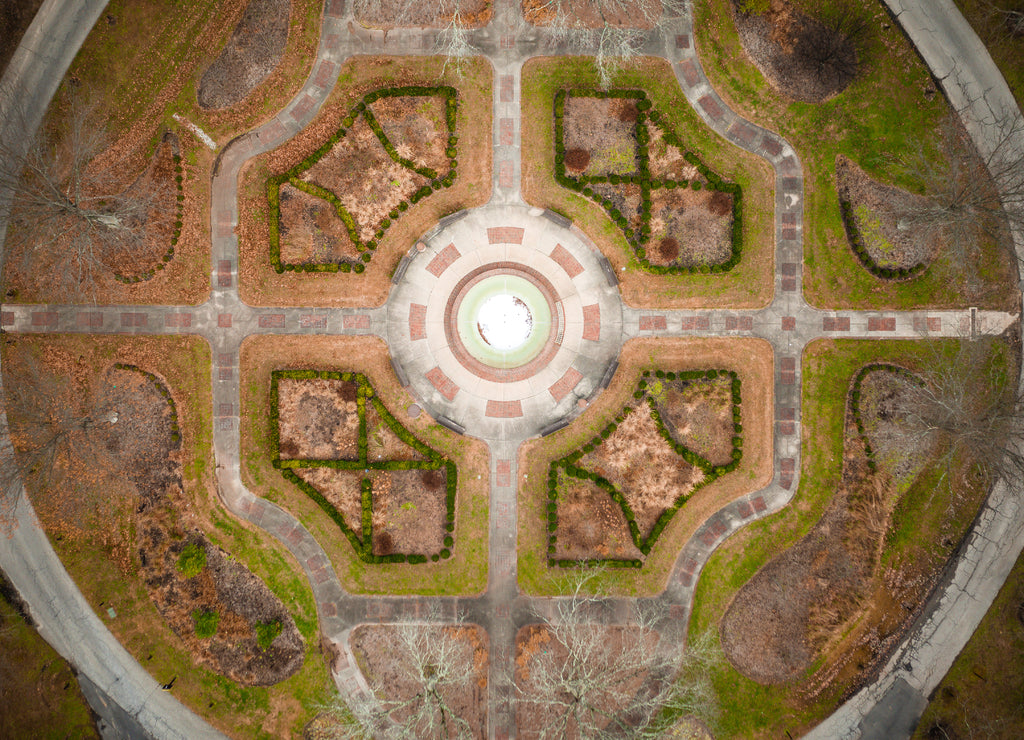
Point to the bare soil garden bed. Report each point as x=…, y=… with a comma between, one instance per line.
x=825, y=594
x=254, y=50
x=802, y=57
x=614, y=149
x=388, y=14
x=646, y=463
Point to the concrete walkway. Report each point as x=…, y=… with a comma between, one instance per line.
x=788, y=323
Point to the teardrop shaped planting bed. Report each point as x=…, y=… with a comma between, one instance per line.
x=609, y=501
x=392, y=496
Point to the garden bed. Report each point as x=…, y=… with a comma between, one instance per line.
x=646, y=462
x=615, y=149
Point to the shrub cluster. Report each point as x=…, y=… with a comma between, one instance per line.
x=856, y=241
x=639, y=238
x=164, y=393
x=567, y=466
x=178, y=216
x=855, y=401
x=293, y=178
x=362, y=542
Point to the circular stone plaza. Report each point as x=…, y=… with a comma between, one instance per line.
x=507, y=323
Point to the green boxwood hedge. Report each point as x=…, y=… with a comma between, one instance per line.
x=646, y=117
x=292, y=177
x=362, y=541
x=567, y=466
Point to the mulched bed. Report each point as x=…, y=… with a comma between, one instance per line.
x=409, y=512
x=389, y=14
x=318, y=419
x=804, y=601
x=604, y=130
x=392, y=673
x=594, y=14
x=590, y=524
x=875, y=210
x=311, y=230
x=255, y=48
x=787, y=47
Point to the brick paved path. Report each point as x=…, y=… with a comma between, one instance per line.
x=788, y=323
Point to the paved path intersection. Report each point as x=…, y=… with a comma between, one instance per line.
x=788, y=323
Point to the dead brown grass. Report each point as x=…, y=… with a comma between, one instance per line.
x=752, y=361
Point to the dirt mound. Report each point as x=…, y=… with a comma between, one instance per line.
x=255, y=48
x=802, y=57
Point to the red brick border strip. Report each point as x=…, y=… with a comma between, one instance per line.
x=566, y=383
x=445, y=385
x=443, y=260
x=504, y=409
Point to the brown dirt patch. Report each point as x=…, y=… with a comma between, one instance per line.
x=318, y=419
x=381, y=441
x=605, y=128
x=804, y=602
x=876, y=209
x=255, y=48
x=699, y=221
x=594, y=13
x=751, y=359
x=667, y=162
x=409, y=512
x=591, y=524
x=417, y=127
x=311, y=230
x=698, y=413
x=644, y=467
x=789, y=48
x=258, y=282
x=389, y=14
x=391, y=669
x=342, y=489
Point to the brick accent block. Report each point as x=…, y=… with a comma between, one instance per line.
x=7, y=318
x=506, y=132
x=566, y=261
x=771, y=145
x=835, y=323
x=882, y=323
x=787, y=374
x=224, y=320
x=787, y=428
x=224, y=273
x=226, y=373
x=44, y=318
x=711, y=107
x=592, y=322
x=313, y=321
x=417, y=321
x=690, y=74
x=304, y=106
x=787, y=414
x=789, y=284
x=443, y=260
x=324, y=74
x=653, y=323
x=271, y=321
x=504, y=409
x=505, y=235
x=503, y=473
x=506, y=86
x=759, y=505
x=356, y=321
x=225, y=358
x=788, y=323
x=696, y=323
x=930, y=323
x=744, y=509
x=683, y=41
x=506, y=173
x=177, y=320
x=134, y=319
x=90, y=319
x=743, y=132
x=445, y=385
x=565, y=384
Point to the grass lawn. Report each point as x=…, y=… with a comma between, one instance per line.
x=885, y=115
x=750, y=358
x=749, y=284
x=925, y=529
x=984, y=689
x=39, y=694
x=466, y=571
x=109, y=582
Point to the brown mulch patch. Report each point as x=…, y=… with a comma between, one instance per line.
x=255, y=48
x=591, y=524
x=342, y=488
x=311, y=231
x=318, y=419
x=698, y=413
x=604, y=128
x=625, y=197
x=390, y=670
x=876, y=209
x=783, y=44
x=699, y=222
x=595, y=13
x=409, y=513
x=381, y=441
x=389, y=14
x=643, y=466
x=417, y=127
x=667, y=162
x=803, y=602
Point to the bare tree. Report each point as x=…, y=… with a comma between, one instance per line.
x=1004, y=19
x=969, y=404
x=453, y=38
x=436, y=665
x=831, y=46
x=72, y=219
x=579, y=677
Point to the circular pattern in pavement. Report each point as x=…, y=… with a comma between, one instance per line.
x=504, y=321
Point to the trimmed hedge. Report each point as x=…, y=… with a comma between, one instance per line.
x=178, y=217
x=639, y=239
x=362, y=541
x=293, y=178
x=567, y=466
x=855, y=401
x=856, y=242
